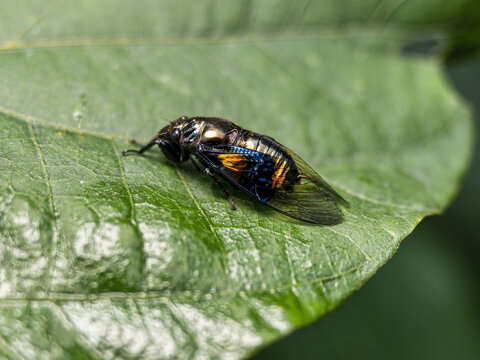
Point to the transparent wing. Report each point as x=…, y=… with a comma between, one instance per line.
x=302, y=194
x=308, y=197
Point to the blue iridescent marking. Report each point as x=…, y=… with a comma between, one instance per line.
x=260, y=172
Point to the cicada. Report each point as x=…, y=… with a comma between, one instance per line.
x=254, y=163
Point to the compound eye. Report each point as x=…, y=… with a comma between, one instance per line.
x=176, y=134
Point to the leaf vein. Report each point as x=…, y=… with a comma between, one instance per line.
x=351, y=241
x=202, y=212
x=152, y=295
x=322, y=34
x=53, y=221
x=13, y=43
x=133, y=219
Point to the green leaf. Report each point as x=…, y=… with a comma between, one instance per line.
x=106, y=256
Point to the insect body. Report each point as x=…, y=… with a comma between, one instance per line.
x=254, y=163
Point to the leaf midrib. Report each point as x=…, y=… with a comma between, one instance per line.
x=351, y=33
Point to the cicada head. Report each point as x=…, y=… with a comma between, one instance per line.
x=171, y=140
x=184, y=136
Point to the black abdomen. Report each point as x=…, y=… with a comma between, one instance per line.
x=284, y=171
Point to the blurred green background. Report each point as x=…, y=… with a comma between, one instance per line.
x=425, y=302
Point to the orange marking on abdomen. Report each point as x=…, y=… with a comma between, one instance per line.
x=278, y=176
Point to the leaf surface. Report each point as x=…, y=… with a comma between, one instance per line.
x=105, y=256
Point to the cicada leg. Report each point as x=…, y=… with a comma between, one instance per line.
x=230, y=200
